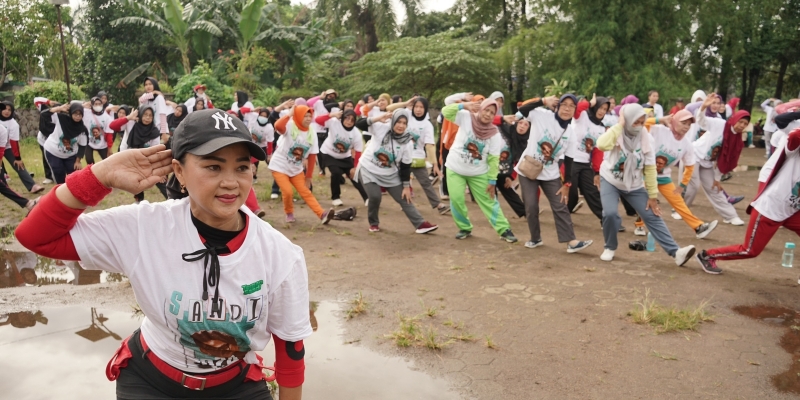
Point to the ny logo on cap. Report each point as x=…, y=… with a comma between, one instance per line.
x=224, y=118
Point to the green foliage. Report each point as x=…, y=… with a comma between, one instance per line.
x=267, y=97
x=434, y=66
x=53, y=90
x=29, y=33
x=220, y=94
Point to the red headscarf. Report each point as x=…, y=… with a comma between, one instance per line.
x=732, y=143
x=300, y=113
x=734, y=102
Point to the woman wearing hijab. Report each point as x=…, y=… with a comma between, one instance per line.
x=241, y=100
x=199, y=95
x=66, y=146
x=297, y=148
x=175, y=119
x=586, y=128
x=516, y=140
x=143, y=134
x=473, y=162
x=98, y=122
x=672, y=145
x=550, y=136
x=12, y=152
x=153, y=98
x=248, y=281
x=629, y=171
x=388, y=165
x=46, y=127
x=341, y=150
x=717, y=152
x=447, y=134
x=121, y=112
x=5, y=190
x=263, y=133
x=374, y=109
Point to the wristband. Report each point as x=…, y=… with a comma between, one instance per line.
x=406, y=185
x=493, y=182
x=519, y=115
x=682, y=185
x=568, y=184
x=85, y=186
x=460, y=106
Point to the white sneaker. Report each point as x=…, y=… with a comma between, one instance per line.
x=735, y=222
x=607, y=255
x=640, y=231
x=366, y=203
x=675, y=215
x=47, y=181
x=273, y=196
x=752, y=146
x=684, y=254
x=337, y=203
x=577, y=207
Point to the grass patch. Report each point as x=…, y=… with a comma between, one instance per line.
x=409, y=333
x=358, y=306
x=341, y=233
x=429, y=311
x=463, y=337
x=664, y=356
x=453, y=324
x=669, y=319
x=490, y=343
x=456, y=268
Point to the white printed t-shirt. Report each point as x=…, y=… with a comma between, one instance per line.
x=547, y=143
x=469, y=155
x=123, y=145
x=262, y=135
x=60, y=147
x=382, y=163
x=422, y=134
x=669, y=152
x=263, y=285
x=613, y=167
x=584, y=138
x=91, y=121
x=708, y=147
x=293, y=148
x=340, y=141
x=781, y=198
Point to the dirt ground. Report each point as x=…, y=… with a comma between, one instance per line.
x=558, y=321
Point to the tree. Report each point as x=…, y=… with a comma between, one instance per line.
x=430, y=23
x=176, y=22
x=28, y=33
x=433, y=66
x=369, y=21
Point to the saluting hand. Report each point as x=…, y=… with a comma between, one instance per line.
x=135, y=170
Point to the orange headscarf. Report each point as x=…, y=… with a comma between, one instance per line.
x=300, y=113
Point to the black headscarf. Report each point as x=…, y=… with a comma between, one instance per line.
x=516, y=142
x=3, y=106
x=140, y=134
x=125, y=107
x=102, y=93
x=366, y=97
x=241, y=98
x=46, y=124
x=346, y=102
x=69, y=127
x=346, y=114
x=396, y=98
x=199, y=101
x=593, y=110
x=92, y=106
x=564, y=123
x=155, y=84
x=424, y=102
x=331, y=106
x=173, y=121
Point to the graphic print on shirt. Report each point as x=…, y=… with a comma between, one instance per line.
x=619, y=168
x=473, y=149
x=297, y=153
x=216, y=334
x=96, y=134
x=505, y=160
x=384, y=157
x=794, y=199
x=547, y=149
x=341, y=146
x=713, y=151
x=587, y=144
x=415, y=138
x=664, y=157
x=65, y=145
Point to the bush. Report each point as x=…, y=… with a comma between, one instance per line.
x=221, y=95
x=267, y=97
x=53, y=90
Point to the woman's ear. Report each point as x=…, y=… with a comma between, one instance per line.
x=177, y=168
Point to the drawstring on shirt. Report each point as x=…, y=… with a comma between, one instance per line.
x=211, y=278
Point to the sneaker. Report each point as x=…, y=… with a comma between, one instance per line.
x=532, y=245
x=374, y=228
x=735, y=199
x=541, y=210
x=577, y=207
x=704, y=230
x=255, y=181
x=509, y=237
x=621, y=229
x=326, y=217
x=735, y=222
x=752, y=146
x=32, y=203
x=273, y=196
x=443, y=209
x=260, y=213
x=607, y=255
x=639, y=231
x=578, y=247
x=434, y=179
x=337, y=202
x=366, y=203
x=726, y=177
x=709, y=264
x=37, y=189
x=426, y=227
x=461, y=235
x=47, y=181
x=683, y=255
x=290, y=217
x=675, y=215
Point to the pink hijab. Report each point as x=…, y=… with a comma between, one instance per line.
x=484, y=131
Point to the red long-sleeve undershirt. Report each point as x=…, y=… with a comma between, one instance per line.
x=117, y=124
x=15, y=149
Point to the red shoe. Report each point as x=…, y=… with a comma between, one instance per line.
x=426, y=227
x=374, y=228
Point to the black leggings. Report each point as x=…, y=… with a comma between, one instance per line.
x=6, y=191
x=583, y=179
x=339, y=169
x=511, y=196
x=90, y=154
x=142, y=381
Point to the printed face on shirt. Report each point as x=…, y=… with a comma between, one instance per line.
x=794, y=199
x=619, y=169
x=383, y=159
x=66, y=144
x=297, y=153
x=473, y=150
x=504, y=155
x=255, y=137
x=96, y=133
x=661, y=162
x=588, y=144
x=546, y=149
x=715, y=153
x=341, y=146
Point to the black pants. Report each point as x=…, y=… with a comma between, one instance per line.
x=321, y=137
x=340, y=168
x=511, y=196
x=583, y=179
x=48, y=174
x=6, y=191
x=61, y=167
x=90, y=154
x=445, y=152
x=142, y=381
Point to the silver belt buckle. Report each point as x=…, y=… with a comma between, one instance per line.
x=202, y=382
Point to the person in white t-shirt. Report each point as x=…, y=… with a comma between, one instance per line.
x=12, y=153
x=263, y=133
x=65, y=147
x=225, y=285
x=776, y=205
x=101, y=136
x=199, y=96
x=46, y=127
x=341, y=151
x=5, y=190
x=586, y=128
x=153, y=98
x=652, y=102
x=768, y=106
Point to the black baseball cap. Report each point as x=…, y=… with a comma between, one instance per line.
x=206, y=131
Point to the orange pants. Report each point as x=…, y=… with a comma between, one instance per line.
x=676, y=201
x=286, y=182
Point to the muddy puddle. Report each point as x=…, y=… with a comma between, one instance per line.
x=23, y=268
x=788, y=381
x=62, y=353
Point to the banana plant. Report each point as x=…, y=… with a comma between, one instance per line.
x=182, y=26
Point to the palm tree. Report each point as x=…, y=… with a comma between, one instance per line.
x=182, y=26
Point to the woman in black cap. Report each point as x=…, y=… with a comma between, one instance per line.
x=202, y=330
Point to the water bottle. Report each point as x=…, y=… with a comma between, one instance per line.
x=651, y=243
x=788, y=255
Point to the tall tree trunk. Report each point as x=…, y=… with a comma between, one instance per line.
x=724, y=77
x=185, y=59
x=781, y=76
x=749, y=88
